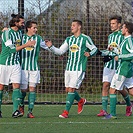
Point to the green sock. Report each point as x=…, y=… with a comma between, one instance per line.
x=69, y=100
x=77, y=97
x=23, y=95
x=113, y=101
x=127, y=99
x=1, y=95
x=104, y=102
x=16, y=98
x=31, y=100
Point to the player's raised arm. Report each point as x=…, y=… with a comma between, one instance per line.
x=58, y=51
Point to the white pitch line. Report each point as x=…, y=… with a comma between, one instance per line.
x=18, y=123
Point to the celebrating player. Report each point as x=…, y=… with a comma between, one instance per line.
x=124, y=73
x=80, y=47
x=10, y=70
x=29, y=66
x=114, y=40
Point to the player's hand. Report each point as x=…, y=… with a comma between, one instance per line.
x=48, y=43
x=30, y=43
x=107, y=58
x=5, y=28
x=87, y=54
x=116, y=58
x=110, y=48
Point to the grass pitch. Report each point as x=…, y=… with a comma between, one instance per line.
x=47, y=121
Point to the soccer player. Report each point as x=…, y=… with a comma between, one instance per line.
x=10, y=70
x=29, y=65
x=79, y=46
x=124, y=73
x=114, y=40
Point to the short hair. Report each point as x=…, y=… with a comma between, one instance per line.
x=15, y=18
x=129, y=26
x=29, y=24
x=118, y=18
x=78, y=21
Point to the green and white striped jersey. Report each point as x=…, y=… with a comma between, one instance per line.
x=76, y=46
x=114, y=39
x=29, y=55
x=10, y=40
x=125, y=66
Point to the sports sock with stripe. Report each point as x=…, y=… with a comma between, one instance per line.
x=23, y=95
x=16, y=98
x=1, y=95
x=31, y=101
x=77, y=97
x=113, y=101
x=127, y=99
x=69, y=100
x=104, y=102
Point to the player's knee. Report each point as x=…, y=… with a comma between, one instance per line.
x=23, y=87
x=71, y=89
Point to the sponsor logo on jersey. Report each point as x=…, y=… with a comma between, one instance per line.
x=115, y=48
x=17, y=42
x=114, y=44
x=29, y=48
x=74, y=48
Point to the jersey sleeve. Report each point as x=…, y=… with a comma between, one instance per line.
x=43, y=45
x=129, y=55
x=60, y=51
x=90, y=45
x=8, y=42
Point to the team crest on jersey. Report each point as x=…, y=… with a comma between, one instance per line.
x=115, y=48
x=74, y=48
x=17, y=43
x=29, y=48
x=114, y=44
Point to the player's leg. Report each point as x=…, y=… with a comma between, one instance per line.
x=1, y=95
x=34, y=78
x=129, y=86
x=113, y=101
x=70, y=95
x=16, y=95
x=23, y=88
x=31, y=99
x=73, y=80
x=16, y=98
x=116, y=84
x=81, y=101
x=69, y=102
x=4, y=80
x=128, y=102
x=107, y=77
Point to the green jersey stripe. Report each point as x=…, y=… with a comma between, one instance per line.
x=29, y=56
x=8, y=55
x=114, y=38
x=125, y=58
x=76, y=47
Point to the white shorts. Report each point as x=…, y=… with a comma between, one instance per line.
x=74, y=79
x=119, y=82
x=29, y=77
x=108, y=74
x=10, y=74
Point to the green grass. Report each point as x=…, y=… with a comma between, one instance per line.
x=46, y=121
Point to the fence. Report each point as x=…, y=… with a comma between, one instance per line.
x=54, y=19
